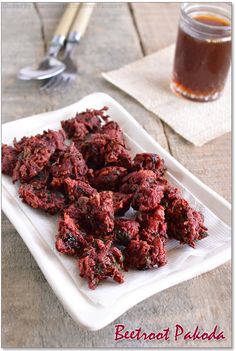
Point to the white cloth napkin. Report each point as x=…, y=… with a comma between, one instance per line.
x=148, y=81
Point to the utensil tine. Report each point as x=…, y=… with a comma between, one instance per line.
x=48, y=83
x=66, y=83
x=56, y=84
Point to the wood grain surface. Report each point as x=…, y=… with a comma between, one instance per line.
x=117, y=34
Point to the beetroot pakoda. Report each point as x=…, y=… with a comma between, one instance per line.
x=152, y=224
x=142, y=255
x=70, y=239
x=70, y=163
x=101, y=150
x=35, y=154
x=83, y=123
x=147, y=196
x=43, y=198
x=9, y=159
x=101, y=261
x=77, y=188
x=131, y=182
x=115, y=212
x=125, y=230
x=151, y=162
x=121, y=202
x=108, y=178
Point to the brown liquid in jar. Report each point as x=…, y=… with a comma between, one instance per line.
x=201, y=66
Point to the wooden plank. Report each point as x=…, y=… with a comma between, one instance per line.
x=156, y=24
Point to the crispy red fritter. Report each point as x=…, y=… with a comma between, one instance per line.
x=149, y=161
x=51, y=138
x=70, y=163
x=91, y=183
x=126, y=230
x=142, y=255
x=121, y=202
x=80, y=133
x=93, y=150
x=31, y=161
x=77, y=188
x=57, y=137
x=57, y=183
x=94, y=213
x=113, y=130
x=35, y=153
x=170, y=193
x=152, y=224
x=78, y=211
x=43, y=198
x=101, y=261
x=41, y=180
x=99, y=150
x=117, y=154
x=147, y=196
x=70, y=239
x=83, y=123
x=131, y=182
x=184, y=223
x=108, y=178
x=9, y=159
x=100, y=212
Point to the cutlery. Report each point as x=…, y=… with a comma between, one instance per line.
x=50, y=66
x=76, y=33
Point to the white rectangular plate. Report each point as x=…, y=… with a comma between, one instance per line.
x=90, y=308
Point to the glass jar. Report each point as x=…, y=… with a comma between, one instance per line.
x=203, y=50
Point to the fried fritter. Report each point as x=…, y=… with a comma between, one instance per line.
x=149, y=161
x=108, y=178
x=101, y=261
x=43, y=198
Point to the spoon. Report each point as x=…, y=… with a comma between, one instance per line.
x=50, y=66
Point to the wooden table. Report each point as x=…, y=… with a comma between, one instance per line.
x=117, y=35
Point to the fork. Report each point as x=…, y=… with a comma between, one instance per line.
x=77, y=30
